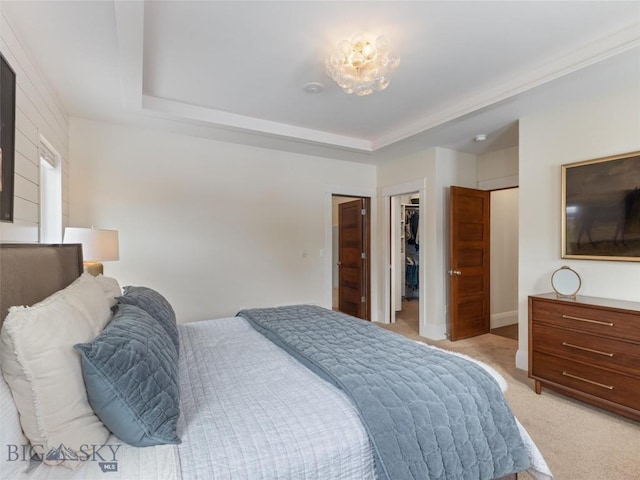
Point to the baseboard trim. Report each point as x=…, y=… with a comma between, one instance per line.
x=503, y=319
x=522, y=359
x=433, y=332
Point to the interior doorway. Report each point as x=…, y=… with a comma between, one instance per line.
x=351, y=250
x=504, y=262
x=405, y=261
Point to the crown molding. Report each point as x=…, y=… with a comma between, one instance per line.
x=561, y=66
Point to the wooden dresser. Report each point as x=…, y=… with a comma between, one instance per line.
x=588, y=348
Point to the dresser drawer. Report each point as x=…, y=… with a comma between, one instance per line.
x=588, y=319
x=602, y=352
x=614, y=387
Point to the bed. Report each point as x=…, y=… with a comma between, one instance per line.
x=257, y=399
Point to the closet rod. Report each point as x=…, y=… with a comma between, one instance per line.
x=415, y=205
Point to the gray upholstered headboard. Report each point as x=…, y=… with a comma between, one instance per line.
x=31, y=272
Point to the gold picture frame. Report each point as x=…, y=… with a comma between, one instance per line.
x=601, y=208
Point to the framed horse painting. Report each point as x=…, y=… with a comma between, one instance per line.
x=601, y=208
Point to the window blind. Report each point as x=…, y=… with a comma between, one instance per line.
x=48, y=156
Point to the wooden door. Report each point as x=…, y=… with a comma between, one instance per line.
x=353, y=258
x=469, y=257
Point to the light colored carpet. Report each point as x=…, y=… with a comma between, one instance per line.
x=579, y=442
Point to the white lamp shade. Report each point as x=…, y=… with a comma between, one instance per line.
x=97, y=245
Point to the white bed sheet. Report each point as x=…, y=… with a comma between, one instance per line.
x=251, y=411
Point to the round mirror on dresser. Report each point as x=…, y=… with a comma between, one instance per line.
x=566, y=282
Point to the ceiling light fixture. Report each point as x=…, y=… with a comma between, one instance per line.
x=480, y=138
x=360, y=66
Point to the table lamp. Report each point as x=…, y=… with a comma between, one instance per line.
x=97, y=245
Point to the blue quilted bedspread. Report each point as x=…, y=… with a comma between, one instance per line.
x=429, y=414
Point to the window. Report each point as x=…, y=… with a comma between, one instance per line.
x=50, y=194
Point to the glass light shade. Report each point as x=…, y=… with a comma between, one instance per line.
x=368, y=72
x=382, y=82
x=360, y=66
x=344, y=48
x=97, y=245
x=382, y=43
x=356, y=59
x=368, y=51
x=391, y=62
x=363, y=89
x=357, y=38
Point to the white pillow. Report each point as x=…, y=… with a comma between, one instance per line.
x=87, y=294
x=11, y=437
x=44, y=371
x=111, y=288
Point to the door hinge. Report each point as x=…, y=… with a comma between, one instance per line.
x=363, y=211
x=363, y=256
x=363, y=299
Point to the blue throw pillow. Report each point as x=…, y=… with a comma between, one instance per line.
x=155, y=305
x=130, y=372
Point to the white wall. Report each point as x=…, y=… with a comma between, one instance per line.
x=499, y=170
x=38, y=112
x=606, y=125
x=435, y=170
x=504, y=257
x=213, y=226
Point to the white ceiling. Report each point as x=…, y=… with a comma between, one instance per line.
x=235, y=70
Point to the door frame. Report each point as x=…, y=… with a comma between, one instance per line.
x=327, y=253
x=419, y=186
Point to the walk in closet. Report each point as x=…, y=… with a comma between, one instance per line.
x=410, y=245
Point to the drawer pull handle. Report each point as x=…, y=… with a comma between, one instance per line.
x=606, y=354
x=569, y=317
x=608, y=387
